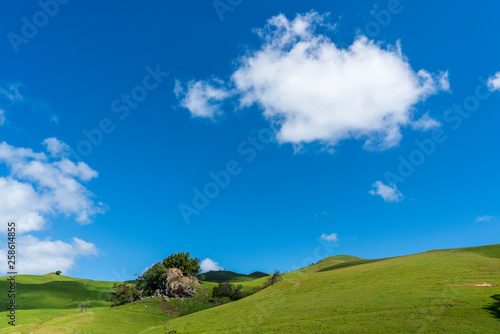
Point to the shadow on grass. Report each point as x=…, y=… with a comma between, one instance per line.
x=494, y=308
x=349, y=264
x=56, y=294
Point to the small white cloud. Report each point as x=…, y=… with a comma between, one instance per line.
x=330, y=237
x=55, y=147
x=203, y=98
x=484, y=218
x=209, y=265
x=43, y=256
x=425, y=123
x=494, y=82
x=2, y=116
x=389, y=193
x=84, y=248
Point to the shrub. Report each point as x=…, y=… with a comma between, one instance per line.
x=58, y=272
x=83, y=306
x=228, y=290
x=220, y=301
x=124, y=294
x=192, y=305
x=276, y=277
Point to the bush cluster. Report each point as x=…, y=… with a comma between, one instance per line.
x=234, y=292
x=153, y=277
x=124, y=294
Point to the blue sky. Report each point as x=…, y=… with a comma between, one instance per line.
x=309, y=112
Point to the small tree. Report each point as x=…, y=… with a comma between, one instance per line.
x=83, y=306
x=183, y=261
x=202, y=277
x=58, y=272
x=124, y=294
x=276, y=277
x=152, y=278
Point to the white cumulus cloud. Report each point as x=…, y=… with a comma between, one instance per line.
x=312, y=90
x=494, y=82
x=389, y=193
x=38, y=186
x=38, y=257
x=330, y=237
x=209, y=265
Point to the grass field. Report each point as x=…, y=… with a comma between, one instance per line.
x=440, y=291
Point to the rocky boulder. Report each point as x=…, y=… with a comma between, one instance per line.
x=176, y=285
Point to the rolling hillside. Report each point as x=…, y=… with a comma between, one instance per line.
x=447, y=291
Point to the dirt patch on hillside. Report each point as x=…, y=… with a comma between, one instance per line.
x=169, y=308
x=481, y=284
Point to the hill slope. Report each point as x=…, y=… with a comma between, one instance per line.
x=449, y=291
x=438, y=291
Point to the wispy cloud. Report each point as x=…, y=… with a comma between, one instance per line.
x=2, y=116
x=425, y=123
x=389, y=193
x=484, y=218
x=10, y=97
x=11, y=92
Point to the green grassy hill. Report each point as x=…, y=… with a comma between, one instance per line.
x=440, y=291
x=443, y=291
x=49, y=304
x=42, y=298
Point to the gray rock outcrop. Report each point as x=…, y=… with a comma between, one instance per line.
x=175, y=285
